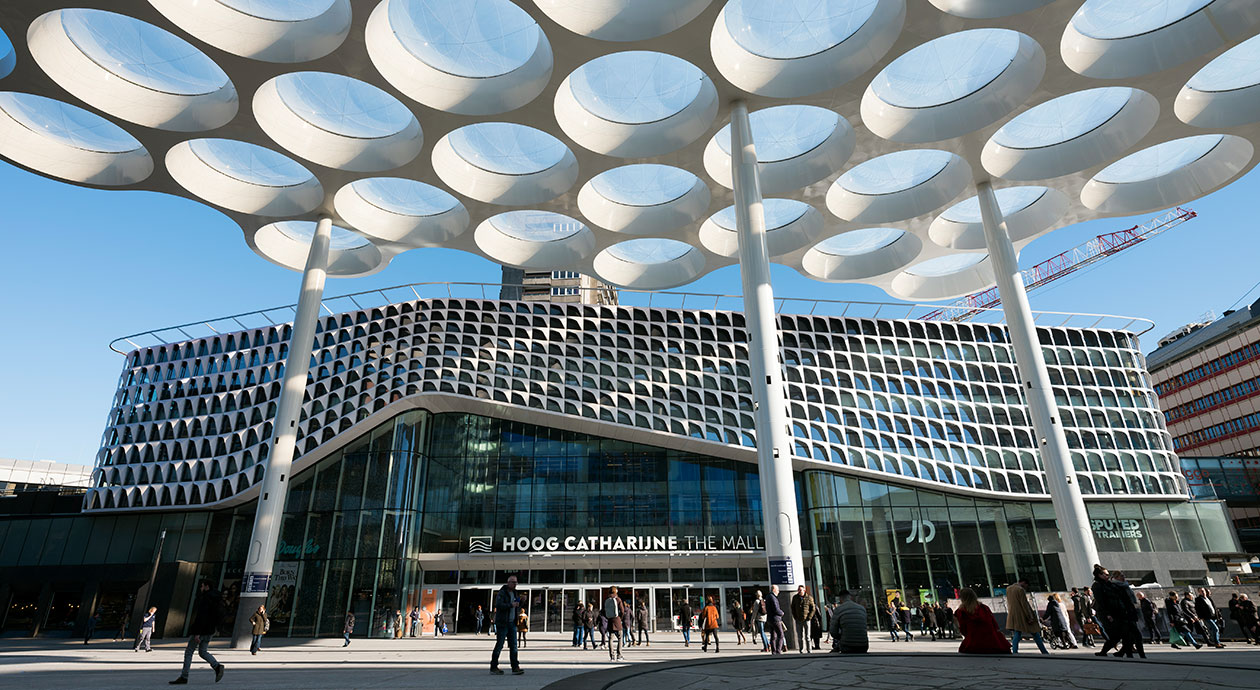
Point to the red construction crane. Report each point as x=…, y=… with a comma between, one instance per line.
x=1067, y=263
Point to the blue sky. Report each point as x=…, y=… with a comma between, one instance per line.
x=85, y=266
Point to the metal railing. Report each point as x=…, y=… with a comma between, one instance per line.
x=380, y=297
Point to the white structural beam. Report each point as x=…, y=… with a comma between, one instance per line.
x=774, y=450
x=1056, y=460
x=275, y=484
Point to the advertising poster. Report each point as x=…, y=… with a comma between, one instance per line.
x=280, y=596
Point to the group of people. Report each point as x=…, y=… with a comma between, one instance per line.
x=935, y=620
x=622, y=619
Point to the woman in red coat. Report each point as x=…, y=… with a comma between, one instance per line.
x=980, y=631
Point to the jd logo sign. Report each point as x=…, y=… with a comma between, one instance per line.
x=922, y=530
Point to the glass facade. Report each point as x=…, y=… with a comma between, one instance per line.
x=398, y=517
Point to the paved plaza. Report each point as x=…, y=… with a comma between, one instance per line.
x=461, y=662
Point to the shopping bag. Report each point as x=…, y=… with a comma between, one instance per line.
x=1175, y=637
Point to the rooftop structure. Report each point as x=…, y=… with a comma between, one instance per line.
x=555, y=286
x=21, y=475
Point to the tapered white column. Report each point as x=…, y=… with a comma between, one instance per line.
x=1056, y=460
x=275, y=485
x=774, y=439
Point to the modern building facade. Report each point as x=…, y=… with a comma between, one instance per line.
x=561, y=287
x=444, y=443
x=1208, y=383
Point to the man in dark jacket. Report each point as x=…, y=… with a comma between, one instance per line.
x=1177, y=621
x=579, y=624
x=506, y=605
x=802, y=612
x=684, y=621
x=588, y=627
x=1206, y=611
x=1148, y=618
x=207, y=616
x=774, y=620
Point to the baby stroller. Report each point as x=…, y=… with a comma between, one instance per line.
x=1055, y=641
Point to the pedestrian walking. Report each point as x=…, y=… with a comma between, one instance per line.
x=1247, y=619
x=1233, y=615
x=578, y=619
x=522, y=627
x=506, y=605
x=1178, y=623
x=903, y=613
x=145, y=637
x=1148, y=619
x=848, y=626
x=774, y=619
x=1207, y=613
x=894, y=621
x=588, y=623
x=1126, y=616
x=709, y=622
x=259, y=625
x=980, y=632
x=88, y=632
x=1085, y=613
x=207, y=615
x=684, y=621
x=1021, y=617
x=802, y=612
x=439, y=623
x=414, y=617
x=642, y=623
x=759, y=614
x=347, y=628
x=737, y=620
x=927, y=620
x=480, y=618
x=399, y=624
x=627, y=624
x=816, y=628
x=612, y=610
x=1058, y=620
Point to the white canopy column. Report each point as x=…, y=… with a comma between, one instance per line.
x=1056, y=461
x=275, y=485
x=774, y=449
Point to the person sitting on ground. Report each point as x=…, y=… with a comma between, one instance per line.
x=848, y=626
x=979, y=628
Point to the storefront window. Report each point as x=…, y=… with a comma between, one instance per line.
x=1216, y=527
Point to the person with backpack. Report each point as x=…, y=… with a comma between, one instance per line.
x=207, y=616
x=709, y=622
x=612, y=610
x=260, y=625
x=522, y=627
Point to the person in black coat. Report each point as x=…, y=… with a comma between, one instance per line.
x=206, y=619
x=1148, y=618
x=1177, y=621
x=684, y=621
x=774, y=621
x=507, y=605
